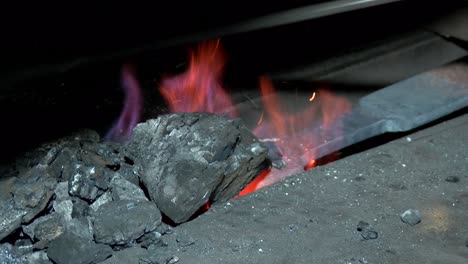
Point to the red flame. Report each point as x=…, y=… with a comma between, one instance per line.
x=199, y=88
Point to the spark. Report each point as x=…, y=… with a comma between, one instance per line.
x=312, y=97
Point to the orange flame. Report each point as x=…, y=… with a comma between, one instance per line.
x=199, y=88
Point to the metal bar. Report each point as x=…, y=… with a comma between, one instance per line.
x=303, y=13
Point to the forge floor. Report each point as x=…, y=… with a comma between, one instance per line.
x=313, y=217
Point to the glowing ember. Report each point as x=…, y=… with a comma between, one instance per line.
x=130, y=114
x=295, y=134
x=199, y=88
x=253, y=185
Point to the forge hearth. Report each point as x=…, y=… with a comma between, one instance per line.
x=296, y=137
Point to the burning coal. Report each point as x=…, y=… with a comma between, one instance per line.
x=199, y=89
x=292, y=135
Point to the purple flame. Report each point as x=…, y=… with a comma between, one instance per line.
x=130, y=115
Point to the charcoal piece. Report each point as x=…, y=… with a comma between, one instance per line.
x=7, y=256
x=362, y=225
x=80, y=208
x=64, y=161
x=61, y=191
x=103, y=199
x=71, y=249
x=369, y=233
x=120, y=222
x=189, y=159
x=129, y=255
x=453, y=179
x=81, y=227
x=152, y=238
x=47, y=227
x=33, y=191
x=411, y=216
x=38, y=257
x=130, y=172
x=82, y=184
x=10, y=217
x=274, y=154
x=23, y=247
x=64, y=208
x=122, y=189
x=164, y=229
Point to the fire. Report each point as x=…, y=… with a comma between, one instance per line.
x=130, y=114
x=295, y=134
x=199, y=88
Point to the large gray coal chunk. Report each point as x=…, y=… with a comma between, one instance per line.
x=189, y=159
x=121, y=222
x=71, y=249
x=186, y=187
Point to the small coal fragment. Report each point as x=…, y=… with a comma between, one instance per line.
x=120, y=222
x=411, y=217
x=362, y=225
x=71, y=249
x=453, y=179
x=466, y=242
x=128, y=255
x=274, y=154
x=369, y=234
x=152, y=238
x=122, y=189
x=184, y=240
x=189, y=159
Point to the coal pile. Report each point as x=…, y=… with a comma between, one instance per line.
x=83, y=200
